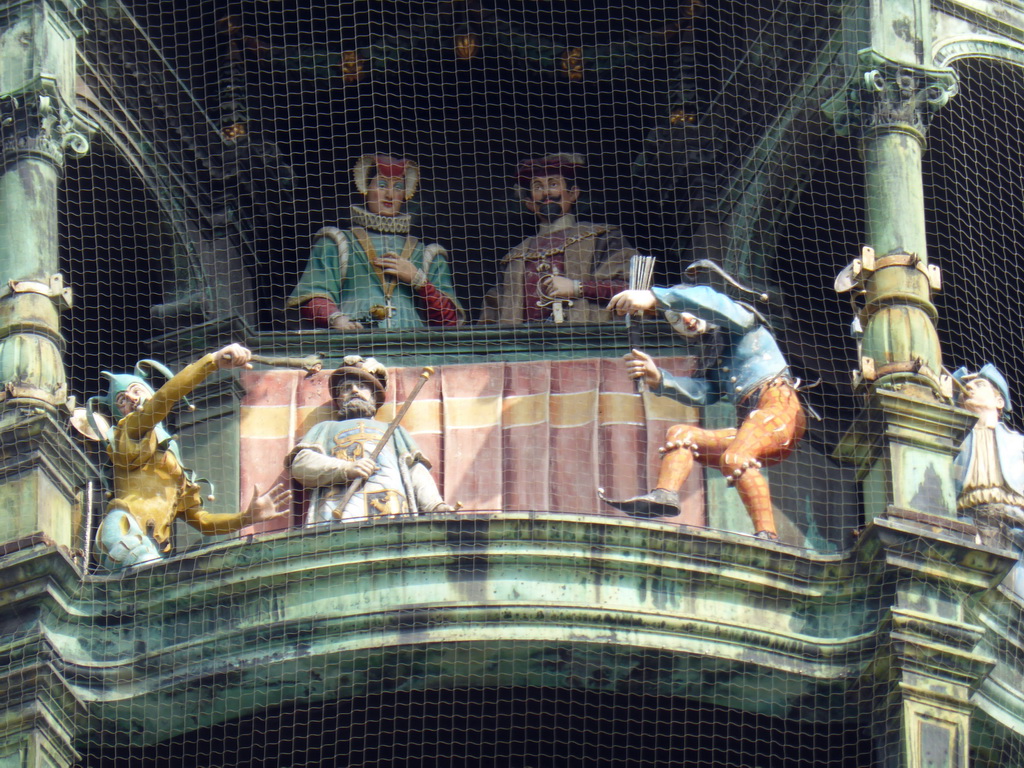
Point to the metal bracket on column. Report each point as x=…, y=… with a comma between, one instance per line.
x=859, y=270
x=54, y=288
x=870, y=371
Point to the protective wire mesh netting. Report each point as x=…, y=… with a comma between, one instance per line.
x=485, y=172
x=262, y=124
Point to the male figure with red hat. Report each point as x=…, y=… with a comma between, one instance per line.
x=375, y=273
x=334, y=454
x=569, y=270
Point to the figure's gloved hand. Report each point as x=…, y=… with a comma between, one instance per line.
x=394, y=265
x=339, y=321
x=266, y=506
x=632, y=302
x=558, y=287
x=233, y=356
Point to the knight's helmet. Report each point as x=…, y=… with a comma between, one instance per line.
x=368, y=369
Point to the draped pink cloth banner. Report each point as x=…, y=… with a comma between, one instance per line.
x=536, y=436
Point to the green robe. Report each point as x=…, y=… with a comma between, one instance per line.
x=356, y=286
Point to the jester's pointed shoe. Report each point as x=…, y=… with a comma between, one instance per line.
x=656, y=503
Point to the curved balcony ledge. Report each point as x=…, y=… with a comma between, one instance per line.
x=462, y=600
x=449, y=346
x=323, y=614
x=481, y=343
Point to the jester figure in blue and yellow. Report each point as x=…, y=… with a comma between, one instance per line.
x=151, y=486
x=747, y=369
x=375, y=273
x=335, y=454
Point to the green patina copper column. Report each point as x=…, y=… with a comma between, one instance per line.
x=918, y=688
x=42, y=471
x=907, y=437
x=38, y=126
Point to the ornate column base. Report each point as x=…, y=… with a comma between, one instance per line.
x=919, y=685
x=38, y=712
x=904, y=447
x=42, y=476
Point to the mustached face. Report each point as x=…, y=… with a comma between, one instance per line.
x=551, y=197
x=132, y=398
x=354, y=398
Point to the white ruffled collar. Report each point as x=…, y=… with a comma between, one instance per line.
x=391, y=225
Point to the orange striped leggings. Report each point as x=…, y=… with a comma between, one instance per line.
x=766, y=435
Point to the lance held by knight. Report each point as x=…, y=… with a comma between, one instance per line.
x=748, y=370
x=356, y=467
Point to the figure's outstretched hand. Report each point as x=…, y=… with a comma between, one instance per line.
x=342, y=322
x=270, y=505
x=632, y=302
x=233, y=356
x=364, y=468
x=641, y=365
x=394, y=265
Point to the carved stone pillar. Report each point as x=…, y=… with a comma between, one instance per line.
x=905, y=440
x=41, y=468
x=917, y=691
x=37, y=126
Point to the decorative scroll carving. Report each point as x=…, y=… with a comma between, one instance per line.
x=39, y=123
x=885, y=94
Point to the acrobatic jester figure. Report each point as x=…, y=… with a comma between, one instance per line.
x=749, y=370
x=152, y=488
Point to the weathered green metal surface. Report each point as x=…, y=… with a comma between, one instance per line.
x=41, y=471
x=40, y=124
x=476, y=344
x=577, y=601
x=904, y=447
x=462, y=599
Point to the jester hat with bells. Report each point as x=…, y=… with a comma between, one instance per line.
x=97, y=419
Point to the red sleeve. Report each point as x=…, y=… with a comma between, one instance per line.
x=601, y=290
x=440, y=309
x=317, y=310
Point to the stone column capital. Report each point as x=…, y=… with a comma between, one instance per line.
x=36, y=122
x=885, y=95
